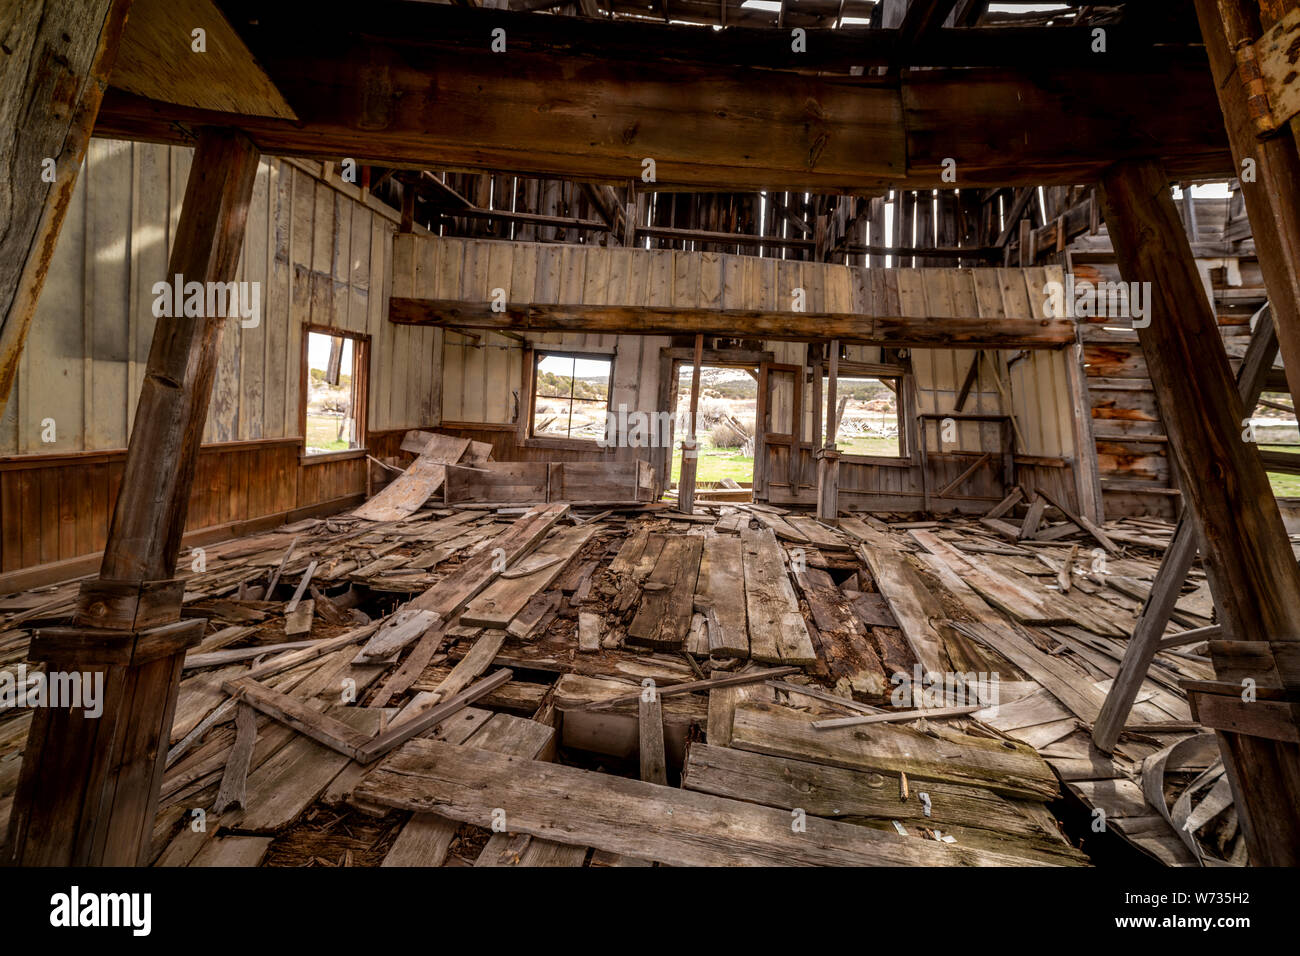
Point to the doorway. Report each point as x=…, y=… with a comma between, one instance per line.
x=725, y=427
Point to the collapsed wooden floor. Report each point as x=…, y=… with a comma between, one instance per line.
x=342, y=716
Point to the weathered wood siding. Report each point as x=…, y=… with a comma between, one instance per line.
x=321, y=256
x=483, y=373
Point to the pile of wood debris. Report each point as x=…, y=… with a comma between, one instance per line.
x=745, y=685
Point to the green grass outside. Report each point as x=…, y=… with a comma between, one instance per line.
x=321, y=434
x=1284, y=486
x=718, y=463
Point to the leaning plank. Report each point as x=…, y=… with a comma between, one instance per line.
x=694, y=687
x=826, y=791
x=1011, y=769
x=777, y=632
x=1002, y=593
x=1082, y=522
x=404, y=730
x=426, y=837
x=406, y=493
x=295, y=712
x=1006, y=504
x=291, y=780
x=461, y=586
x=681, y=828
x=654, y=765
x=501, y=601
x=1064, y=683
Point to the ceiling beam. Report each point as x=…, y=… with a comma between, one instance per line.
x=890, y=331
x=540, y=109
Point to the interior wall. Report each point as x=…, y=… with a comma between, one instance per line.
x=484, y=389
x=319, y=253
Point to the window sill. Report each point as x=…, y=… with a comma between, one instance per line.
x=568, y=444
x=874, y=460
x=318, y=459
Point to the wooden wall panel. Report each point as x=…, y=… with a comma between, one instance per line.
x=319, y=254
x=320, y=251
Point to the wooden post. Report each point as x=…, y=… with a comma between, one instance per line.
x=828, y=456
x=1246, y=548
x=1271, y=190
x=149, y=518
x=53, y=80
x=88, y=789
x=690, y=444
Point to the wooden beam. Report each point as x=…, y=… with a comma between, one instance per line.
x=828, y=458
x=691, y=445
x=108, y=800
x=1272, y=192
x=644, y=820
x=149, y=517
x=54, y=77
x=891, y=331
x=1148, y=633
x=1247, y=552
x=368, y=94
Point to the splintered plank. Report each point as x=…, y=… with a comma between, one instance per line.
x=1007, y=768
x=639, y=571
x=826, y=791
x=914, y=607
x=504, y=598
x=668, y=600
x=853, y=663
x=720, y=594
x=818, y=535
x=426, y=837
x=408, y=491
x=654, y=763
x=643, y=820
x=777, y=632
x=461, y=586
x=1006, y=595
x=630, y=553
x=291, y=780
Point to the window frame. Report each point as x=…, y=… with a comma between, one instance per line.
x=527, y=421
x=360, y=393
x=898, y=373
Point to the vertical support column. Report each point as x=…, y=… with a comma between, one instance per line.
x=690, y=444
x=53, y=81
x=828, y=456
x=1246, y=548
x=88, y=789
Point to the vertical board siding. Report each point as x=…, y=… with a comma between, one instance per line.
x=320, y=256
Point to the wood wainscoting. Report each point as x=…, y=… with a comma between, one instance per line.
x=55, y=509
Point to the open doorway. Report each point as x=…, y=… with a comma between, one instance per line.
x=724, y=427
